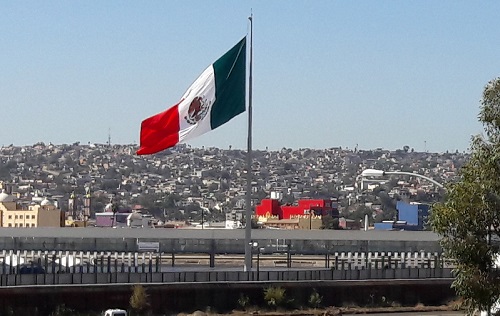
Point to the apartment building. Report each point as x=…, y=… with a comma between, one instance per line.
x=44, y=214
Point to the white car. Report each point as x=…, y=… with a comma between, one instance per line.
x=495, y=309
x=115, y=312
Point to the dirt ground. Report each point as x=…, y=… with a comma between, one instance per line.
x=330, y=311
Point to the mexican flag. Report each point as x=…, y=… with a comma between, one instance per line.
x=213, y=99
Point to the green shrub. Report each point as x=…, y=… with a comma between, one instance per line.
x=315, y=299
x=243, y=301
x=275, y=296
x=62, y=310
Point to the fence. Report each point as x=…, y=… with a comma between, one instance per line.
x=9, y=280
x=28, y=262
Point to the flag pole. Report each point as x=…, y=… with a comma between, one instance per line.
x=248, y=204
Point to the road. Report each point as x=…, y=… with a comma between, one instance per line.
x=438, y=313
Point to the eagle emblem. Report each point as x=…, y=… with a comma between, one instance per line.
x=197, y=111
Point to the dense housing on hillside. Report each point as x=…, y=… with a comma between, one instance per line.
x=206, y=184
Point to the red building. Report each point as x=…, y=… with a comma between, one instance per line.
x=272, y=207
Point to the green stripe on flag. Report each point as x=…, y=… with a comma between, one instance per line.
x=230, y=85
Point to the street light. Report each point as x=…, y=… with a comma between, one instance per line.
x=258, y=263
x=380, y=173
x=255, y=245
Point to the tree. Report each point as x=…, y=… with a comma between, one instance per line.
x=288, y=199
x=195, y=190
x=360, y=212
x=172, y=200
x=212, y=187
x=329, y=222
x=469, y=218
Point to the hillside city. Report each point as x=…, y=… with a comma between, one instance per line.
x=186, y=184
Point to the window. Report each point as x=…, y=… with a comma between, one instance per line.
x=10, y=225
x=32, y=225
x=10, y=216
x=20, y=216
x=32, y=216
x=21, y=225
x=15, y=217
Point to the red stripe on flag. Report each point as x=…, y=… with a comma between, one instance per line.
x=160, y=131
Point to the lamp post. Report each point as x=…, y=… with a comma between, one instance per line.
x=114, y=209
x=254, y=245
x=380, y=173
x=202, y=218
x=258, y=262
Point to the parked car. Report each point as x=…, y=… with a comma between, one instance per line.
x=115, y=312
x=495, y=309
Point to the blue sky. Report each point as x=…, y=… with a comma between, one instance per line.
x=326, y=73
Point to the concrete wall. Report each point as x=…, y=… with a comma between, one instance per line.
x=229, y=241
x=223, y=296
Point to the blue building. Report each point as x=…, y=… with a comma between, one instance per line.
x=411, y=216
x=414, y=214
